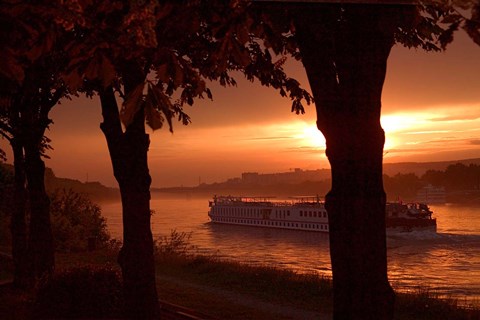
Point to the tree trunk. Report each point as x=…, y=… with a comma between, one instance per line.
x=18, y=224
x=41, y=246
x=345, y=63
x=128, y=152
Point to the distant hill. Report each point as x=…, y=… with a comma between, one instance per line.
x=95, y=190
x=299, y=182
x=419, y=168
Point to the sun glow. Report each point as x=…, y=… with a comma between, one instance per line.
x=311, y=136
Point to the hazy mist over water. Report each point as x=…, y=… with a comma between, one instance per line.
x=448, y=261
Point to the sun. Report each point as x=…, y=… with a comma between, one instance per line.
x=310, y=136
x=398, y=125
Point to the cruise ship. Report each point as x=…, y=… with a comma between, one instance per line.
x=306, y=213
x=431, y=194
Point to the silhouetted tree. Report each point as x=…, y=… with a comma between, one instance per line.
x=434, y=177
x=461, y=177
x=455, y=177
x=344, y=49
x=30, y=88
x=158, y=57
x=402, y=186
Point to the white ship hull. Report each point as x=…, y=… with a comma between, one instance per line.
x=309, y=216
x=303, y=215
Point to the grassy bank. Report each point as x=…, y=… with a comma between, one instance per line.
x=230, y=290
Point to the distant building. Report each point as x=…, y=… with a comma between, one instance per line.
x=431, y=195
x=296, y=176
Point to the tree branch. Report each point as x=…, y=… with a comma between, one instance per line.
x=111, y=117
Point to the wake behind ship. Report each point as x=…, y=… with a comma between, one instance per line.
x=307, y=213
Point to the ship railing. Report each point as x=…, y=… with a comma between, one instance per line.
x=266, y=200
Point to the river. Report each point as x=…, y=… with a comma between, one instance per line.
x=447, y=262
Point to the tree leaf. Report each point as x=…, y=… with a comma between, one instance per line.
x=162, y=73
x=107, y=71
x=201, y=86
x=153, y=117
x=209, y=93
x=162, y=103
x=92, y=71
x=73, y=81
x=473, y=30
x=11, y=68
x=131, y=105
x=179, y=76
x=242, y=34
x=447, y=36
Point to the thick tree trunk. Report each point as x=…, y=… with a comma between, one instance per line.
x=128, y=152
x=40, y=242
x=18, y=224
x=346, y=66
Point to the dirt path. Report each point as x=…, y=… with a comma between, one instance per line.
x=276, y=310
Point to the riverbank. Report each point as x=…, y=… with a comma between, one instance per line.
x=228, y=290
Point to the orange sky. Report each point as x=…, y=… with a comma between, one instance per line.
x=431, y=112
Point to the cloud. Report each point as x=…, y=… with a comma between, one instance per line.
x=475, y=141
x=427, y=132
x=450, y=140
x=456, y=117
x=306, y=149
x=409, y=150
x=268, y=138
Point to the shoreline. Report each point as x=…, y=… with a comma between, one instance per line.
x=198, y=283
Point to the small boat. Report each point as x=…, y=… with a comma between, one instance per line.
x=305, y=213
x=409, y=216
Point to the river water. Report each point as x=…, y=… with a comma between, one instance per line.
x=447, y=262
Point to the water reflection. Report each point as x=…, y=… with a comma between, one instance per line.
x=298, y=250
x=447, y=261
x=448, y=264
